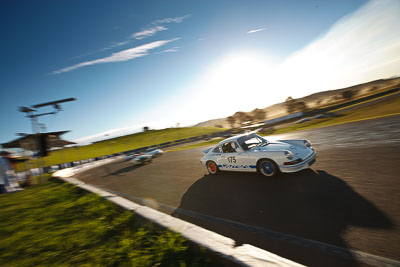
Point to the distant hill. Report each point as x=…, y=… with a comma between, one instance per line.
x=320, y=99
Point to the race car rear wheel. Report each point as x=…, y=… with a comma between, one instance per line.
x=267, y=168
x=212, y=167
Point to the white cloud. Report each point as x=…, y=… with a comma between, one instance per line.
x=360, y=47
x=256, y=30
x=170, y=20
x=124, y=55
x=156, y=27
x=170, y=50
x=148, y=32
x=114, y=45
x=111, y=46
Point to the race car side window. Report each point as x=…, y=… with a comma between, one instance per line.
x=229, y=147
x=217, y=149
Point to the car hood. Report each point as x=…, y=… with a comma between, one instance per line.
x=298, y=151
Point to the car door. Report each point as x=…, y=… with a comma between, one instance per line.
x=232, y=158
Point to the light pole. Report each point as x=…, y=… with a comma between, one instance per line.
x=34, y=120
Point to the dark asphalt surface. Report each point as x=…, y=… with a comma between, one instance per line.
x=350, y=199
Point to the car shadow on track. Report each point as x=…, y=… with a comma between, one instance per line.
x=117, y=170
x=310, y=205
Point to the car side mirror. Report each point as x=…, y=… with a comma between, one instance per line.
x=239, y=149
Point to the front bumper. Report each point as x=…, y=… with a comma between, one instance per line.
x=305, y=164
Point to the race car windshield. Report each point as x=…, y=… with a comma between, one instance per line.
x=251, y=141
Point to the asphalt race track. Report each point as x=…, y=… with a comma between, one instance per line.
x=348, y=203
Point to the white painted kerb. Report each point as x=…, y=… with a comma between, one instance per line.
x=245, y=255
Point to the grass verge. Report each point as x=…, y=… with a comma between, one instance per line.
x=58, y=224
x=199, y=144
x=377, y=110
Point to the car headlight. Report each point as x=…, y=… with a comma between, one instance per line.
x=289, y=155
x=307, y=144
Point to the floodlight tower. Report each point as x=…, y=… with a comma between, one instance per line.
x=34, y=117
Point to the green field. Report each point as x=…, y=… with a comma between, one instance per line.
x=119, y=144
x=377, y=110
x=205, y=143
x=57, y=224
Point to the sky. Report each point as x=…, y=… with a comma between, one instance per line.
x=152, y=63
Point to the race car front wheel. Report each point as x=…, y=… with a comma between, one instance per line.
x=212, y=167
x=267, y=168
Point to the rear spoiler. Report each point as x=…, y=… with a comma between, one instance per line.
x=206, y=151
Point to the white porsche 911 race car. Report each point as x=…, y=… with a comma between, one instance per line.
x=140, y=159
x=252, y=153
x=154, y=152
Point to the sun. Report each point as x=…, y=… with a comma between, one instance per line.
x=234, y=82
x=241, y=76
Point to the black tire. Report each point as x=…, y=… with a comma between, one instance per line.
x=212, y=167
x=268, y=168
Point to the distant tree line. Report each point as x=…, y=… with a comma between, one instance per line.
x=293, y=105
x=348, y=94
x=241, y=118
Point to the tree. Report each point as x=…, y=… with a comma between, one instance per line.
x=240, y=117
x=231, y=120
x=145, y=129
x=348, y=94
x=290, y=105
x=248, y=118
x=289, y=99
x=301, y=106
x=259, y=114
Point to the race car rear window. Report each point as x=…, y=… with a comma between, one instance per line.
x=252, y=142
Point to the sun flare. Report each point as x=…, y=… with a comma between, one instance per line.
x=237, y=76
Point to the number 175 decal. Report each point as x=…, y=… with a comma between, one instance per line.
x=231, y=160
